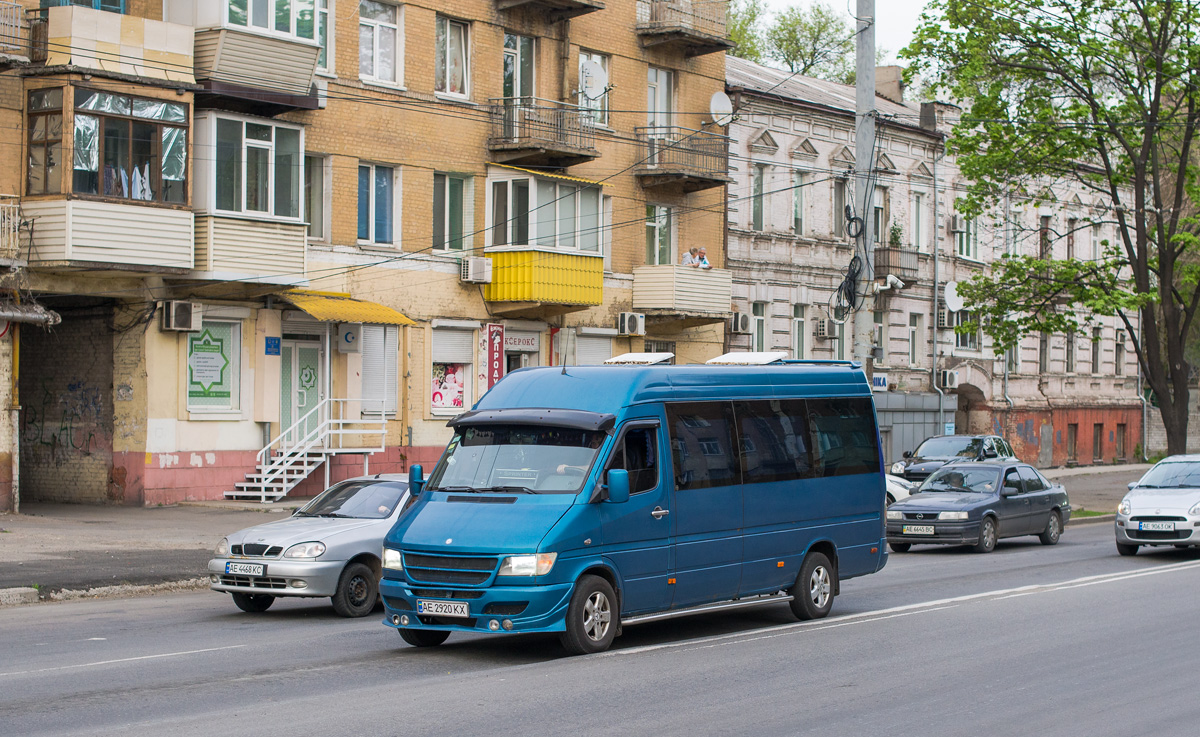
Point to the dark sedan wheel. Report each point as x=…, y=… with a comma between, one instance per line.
x=357, y=590
x=1053, y=530
x=987, y=536
x=253, y=603
x=900, y=547
x=1124, y=549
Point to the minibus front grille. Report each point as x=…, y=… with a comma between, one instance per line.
x=447, y=594
x=447, y=569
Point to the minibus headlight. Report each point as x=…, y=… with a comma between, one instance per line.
x=527, y=565
x=898, y=468
x=392, y=559
x=897, y=514
x=952, y=515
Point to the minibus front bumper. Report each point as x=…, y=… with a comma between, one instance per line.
x=510, y=608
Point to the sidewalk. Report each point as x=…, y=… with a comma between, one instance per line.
x=56, y=551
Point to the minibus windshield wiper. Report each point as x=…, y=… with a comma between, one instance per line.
x=513, y=489
x=468, y=489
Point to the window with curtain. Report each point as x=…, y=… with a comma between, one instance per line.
x=380, y=362
x=518, y=66
x=376, y=203
x=451, y=211
x=259, y=168
x=45, y=125
x=315, y=206
x=451, y=74
x=290, y=17
x=544, y=212
x=380, y=42
x=451, y=374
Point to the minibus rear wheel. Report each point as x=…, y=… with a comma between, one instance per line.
x=423, y=638
x=592, y=617
x=812, y=596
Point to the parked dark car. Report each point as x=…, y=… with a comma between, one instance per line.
x=937, y=451
x=977, y=503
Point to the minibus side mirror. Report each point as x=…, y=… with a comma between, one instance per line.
x=416, y=479
x=618, y=486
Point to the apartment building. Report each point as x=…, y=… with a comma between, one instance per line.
x=1059, y=399
x=297, y=236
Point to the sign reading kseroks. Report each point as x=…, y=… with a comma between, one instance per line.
x=495, y=354
x=208, y=357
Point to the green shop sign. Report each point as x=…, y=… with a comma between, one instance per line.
x=207, y=361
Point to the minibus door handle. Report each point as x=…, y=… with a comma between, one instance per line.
x=659, y=513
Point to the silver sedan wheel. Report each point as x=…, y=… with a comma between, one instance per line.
x=597, y=616
x=819, y=587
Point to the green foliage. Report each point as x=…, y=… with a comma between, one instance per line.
x=894, y=235
x=744, y=25
x=816, y=41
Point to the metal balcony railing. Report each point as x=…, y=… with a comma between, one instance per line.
x=14, y=30
x=669, y=149
x=10, y=226
x=899, y=261
x=519, y=122
x=702, y=17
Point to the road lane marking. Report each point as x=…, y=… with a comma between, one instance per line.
x=120, y=660
x=921, y=608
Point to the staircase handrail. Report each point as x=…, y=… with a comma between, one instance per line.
x=322, y=429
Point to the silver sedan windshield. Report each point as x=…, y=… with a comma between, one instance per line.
x=508, y=458
x=1172, y=475
x=358, y=499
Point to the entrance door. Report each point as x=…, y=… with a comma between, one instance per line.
x=300, y=388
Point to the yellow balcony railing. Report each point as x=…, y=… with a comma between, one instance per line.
x=544, y=276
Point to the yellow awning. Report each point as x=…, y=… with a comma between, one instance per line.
x=544, y=175
x=340, y=307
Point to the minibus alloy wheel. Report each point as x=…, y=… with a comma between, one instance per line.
x=592, y=617
x=812, y=596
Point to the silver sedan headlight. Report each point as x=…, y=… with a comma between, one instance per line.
x=1124, y=508
x=952, y=516
x=898, y=468
x=222, y=548
x=392, y=559
x=305, y=550
x=1195, y=510
x=897, y=514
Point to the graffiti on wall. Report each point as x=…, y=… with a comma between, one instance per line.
x=60, y=427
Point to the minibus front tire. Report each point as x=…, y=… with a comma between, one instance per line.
x=423, y=638
x=592, y=617
x=812, y=596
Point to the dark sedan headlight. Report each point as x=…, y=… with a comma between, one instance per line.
x=952, y=516
x=895, y=514
x=898, y=468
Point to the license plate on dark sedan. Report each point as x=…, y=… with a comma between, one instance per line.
x=443, y=608
x=246, y=569
x=916, y=530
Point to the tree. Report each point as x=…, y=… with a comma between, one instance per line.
x=1103, y=94
x=816, y=41
x=745, y=29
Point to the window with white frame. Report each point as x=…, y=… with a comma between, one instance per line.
x=1097, y=246
x=380, y=361
x=839, y=208
x=606, y=228
x=1071, y=352
x=519, y=66
x=659, y=102
x=316, y=203
x=968, y=340
x=1097, y=334
x=917, y=228
x=544, y=212
x=325, y=37
x=599, y=105
x=214, y=367
x=257, y=166
x=1119, y=354
x=452, y=74
x=799, y=336
x=798, y=202
x=880, y=339
x=1043, y=353
x=879, y=213
x=296, y=18
x=758, y=184
x=966, y=240
x=376, y=203
x=914, y=339
x=1012, y=359
x=380, y=42
x=758, y=335
x=451, y=211
x=659, y=240
x=451, y=376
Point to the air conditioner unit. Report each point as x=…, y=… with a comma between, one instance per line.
x=631, y=323
x=741, y=323
x=948, y=379
x=182, y=316
x=824, y=327
x=476, y=270
x=958, y=224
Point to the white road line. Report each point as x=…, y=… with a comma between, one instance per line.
x=921, y=608
x=121, y=660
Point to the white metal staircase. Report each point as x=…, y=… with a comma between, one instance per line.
x=307, y=445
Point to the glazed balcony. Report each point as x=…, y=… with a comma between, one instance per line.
x=901, y=262
x=72, y=36
x=677, y=297
x=695, y=27
x=539, y=283
x=555, y=9
x=533, y=132
x=694, y=159
x=100, y=235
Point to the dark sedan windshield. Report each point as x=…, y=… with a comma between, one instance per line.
x=517, y=458
x=1172, y=475
x=361, y=499
x=963, y=478
x=950, y=447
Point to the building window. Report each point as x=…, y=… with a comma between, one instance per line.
x=1119, y=354
x=45, y=142
x=290, y=17
x=380, y=360
x=659, y=106
x=799, y=336
x=376, y=203
x=1120, y=449
x=1045, y=246
x=259, y=167
x=758, y=184
x=129, y=147
x=969, y=340
x=758, y=337
x=1097, y=442
x=918, y=221
x=380, y=43
x=839, y=208
x=544, y=212
x=1097, y=333
x=214, y=367
x=451, y=71
x=451, y=377
x=325, y=37
x=1097, y=246
x=1071, y=353
x=659, y=247
x=1073, y=441
x=1043, y=353
x=1012, y=359
x=798, y=202
x=113, y=6
x=879, y=354
x=966, y=240
x=451, y=211
x=914, y=339
x=599, y=105
x=518, y=66
x=660, y=346
x=879, y=214
x=1072, y=226
x=316, y=206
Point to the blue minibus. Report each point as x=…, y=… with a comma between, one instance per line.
x=582, y=499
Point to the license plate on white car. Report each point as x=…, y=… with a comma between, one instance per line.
x=246, y=569
x=1157, y=526
x=916, y=530
x=443, y=608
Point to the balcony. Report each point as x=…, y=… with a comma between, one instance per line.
x=695, y=27
x=901, y=262
x=247, y=250
x=91, y=234
x=556, y=9
x=111, y=42
x=10, y=229
x=693, y=159
x=534, y=283
x=676, y=297
x=14, y=34
x=533, y=132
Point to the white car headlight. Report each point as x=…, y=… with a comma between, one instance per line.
x=1195, y=509
x=895, y=515
x=1125, y=507
x=952, y=515
x=305, y=550
x=898, y=468
x=527, y=565
x=222, y=547
x=392, y=559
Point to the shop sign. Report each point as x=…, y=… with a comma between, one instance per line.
x=496, y=343
x=522, y=342
x=879, y=382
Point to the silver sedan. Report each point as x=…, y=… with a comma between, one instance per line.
x=329, y=547
x=1162, y=508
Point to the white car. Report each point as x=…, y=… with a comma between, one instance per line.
x=897, y=488
x=1161, y=508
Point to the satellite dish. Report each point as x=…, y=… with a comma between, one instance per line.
x=954, y=302
x=721, y=108
x=593, y=80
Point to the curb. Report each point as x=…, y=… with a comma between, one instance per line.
x=1062, y=473
x=19, y=595
x=123, y=591
x=1091, y=520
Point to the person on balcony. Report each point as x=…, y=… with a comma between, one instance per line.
x=702, y=259
x=689, y=257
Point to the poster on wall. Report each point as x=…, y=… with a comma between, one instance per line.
x=447, y=386
x=208, y=358
x=495, y=354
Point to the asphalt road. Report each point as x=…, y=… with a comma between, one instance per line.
x=1062, y=641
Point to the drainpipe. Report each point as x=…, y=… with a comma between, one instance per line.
x=937, y=230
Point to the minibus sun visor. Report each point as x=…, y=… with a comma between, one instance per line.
x=576, y=419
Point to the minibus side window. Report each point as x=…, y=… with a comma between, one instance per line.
x=638, y=453
x=844, y=435
x=703, y=444
x=774, y=440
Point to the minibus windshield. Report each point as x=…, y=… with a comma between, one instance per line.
x=517, y=458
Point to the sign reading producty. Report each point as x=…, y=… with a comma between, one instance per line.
x=497, y=341
x=207, y=360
